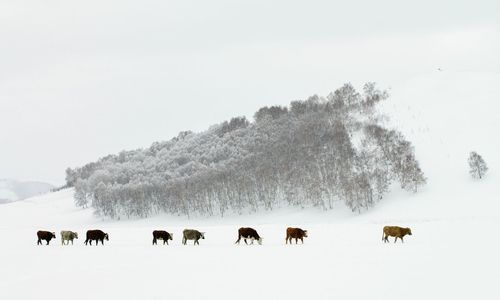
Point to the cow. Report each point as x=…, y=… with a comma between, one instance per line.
x=162, y=235
x=295, y=233
x=191, y=234
x=45, y=235
x=68, y=236
x=250, y=234
x=96, y=235
x=397, y=232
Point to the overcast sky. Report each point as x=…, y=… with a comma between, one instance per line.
x=80, y=80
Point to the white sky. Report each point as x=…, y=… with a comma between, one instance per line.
x=80, y=80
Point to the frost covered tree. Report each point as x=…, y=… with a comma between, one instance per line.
x=312, y=153
x=477, y=165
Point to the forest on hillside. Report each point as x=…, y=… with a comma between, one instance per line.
x=311, y=153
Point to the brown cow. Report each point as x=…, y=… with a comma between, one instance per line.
x=396, y=231
x=191, y=234
x=162, y=235
x=295, y=233
x=45, y=235
x=248, y=233
x=96, y=235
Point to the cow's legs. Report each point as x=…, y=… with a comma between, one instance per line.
x=39, y=242
x=296, y=241
x=48, y=242
x=395, y=239
x=302, y=240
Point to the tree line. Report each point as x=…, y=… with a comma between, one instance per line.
x=311, y=153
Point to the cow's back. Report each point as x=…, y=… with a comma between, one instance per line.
x=191, y=234
x=161, y=234
x=95, y=234
x=393, y=230
x=42, y=234
x=248, y=232
x=295, y=232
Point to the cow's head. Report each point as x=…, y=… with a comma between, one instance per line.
x=76, y=235
x=260, y=240
x=53, y=235
x=106, y=237
x=305, y=233
x=408, y=230
x=171, y=236
x=202, y=235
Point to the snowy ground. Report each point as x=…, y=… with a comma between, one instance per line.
x=453, y=253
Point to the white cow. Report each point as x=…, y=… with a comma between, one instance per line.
x=68, y=236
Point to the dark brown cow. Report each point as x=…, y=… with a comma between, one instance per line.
x=248, y=233
x=45, y=235
x=396, y=231
x=295, y=233
x=162, y=235
x=96, y=235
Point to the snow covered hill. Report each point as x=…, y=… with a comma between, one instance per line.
x=452, y=254
x=13, y=190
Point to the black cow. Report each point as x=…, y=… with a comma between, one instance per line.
x=96, y=235
x=162, y=235
x=248, y=233
x=45, y=235
x=191, y=234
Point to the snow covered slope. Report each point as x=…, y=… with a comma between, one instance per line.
x=13, y=190
x=452, y=254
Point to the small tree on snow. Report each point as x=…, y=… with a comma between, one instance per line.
x=477, y=165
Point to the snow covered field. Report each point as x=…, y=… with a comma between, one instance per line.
x=452, y=254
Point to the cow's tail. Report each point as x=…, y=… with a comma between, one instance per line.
x=382, y=234
x=238, y=240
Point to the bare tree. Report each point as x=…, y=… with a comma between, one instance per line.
x=477, y=165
